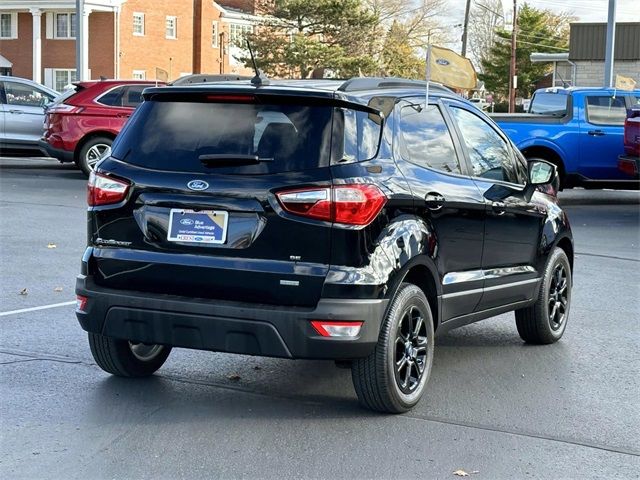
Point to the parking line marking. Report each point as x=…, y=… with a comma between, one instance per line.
x=33, y=309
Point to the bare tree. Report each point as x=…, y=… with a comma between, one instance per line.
x=486, y=17
x=419, y=19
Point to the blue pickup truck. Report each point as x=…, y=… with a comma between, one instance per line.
x=580, y=130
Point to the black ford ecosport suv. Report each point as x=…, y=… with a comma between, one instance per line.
x=317, y=219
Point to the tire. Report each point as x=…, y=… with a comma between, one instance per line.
x=379, y=384
x=545, y=321
x=90, y=153
x=126, y=359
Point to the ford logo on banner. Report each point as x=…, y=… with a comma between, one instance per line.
x=197, y=185
x=442, y=61
x=186, y=221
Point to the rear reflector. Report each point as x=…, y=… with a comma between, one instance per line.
x=329, y=328
x=81, y=303
x=354, y=204
x=103, y=190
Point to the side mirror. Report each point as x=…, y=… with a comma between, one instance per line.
x=541, y=172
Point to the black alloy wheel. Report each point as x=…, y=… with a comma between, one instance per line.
x=411, y=350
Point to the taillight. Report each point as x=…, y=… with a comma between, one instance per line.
x=331, y=328
x=628, y=166
x=355, y=204
x=64, y=108
x=103, y=190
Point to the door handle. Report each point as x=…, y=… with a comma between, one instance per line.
x=498, y=208
x=123, y=115
x=434, y=201
x=596, y=133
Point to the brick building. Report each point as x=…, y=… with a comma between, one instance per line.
x=125, y=38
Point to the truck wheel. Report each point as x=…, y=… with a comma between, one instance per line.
x=544, y=322
x=91, y=152
x=393, y=378
x=127, y=359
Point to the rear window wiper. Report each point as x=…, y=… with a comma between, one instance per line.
x=231, y=160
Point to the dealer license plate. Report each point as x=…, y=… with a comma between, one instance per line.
x=204, y=226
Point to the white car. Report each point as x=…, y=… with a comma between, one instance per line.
x=22, y=104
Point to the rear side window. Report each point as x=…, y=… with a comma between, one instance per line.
x=132, y=96
x=112, y=98
x=123, y=96
x=361, y=135
x=549, y=104
x=607, y=110
x=177, y=135
x=426, y=140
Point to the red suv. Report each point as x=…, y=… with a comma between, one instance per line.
x=83, y=122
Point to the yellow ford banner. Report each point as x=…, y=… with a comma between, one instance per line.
x=625, y=83
x=451, y=69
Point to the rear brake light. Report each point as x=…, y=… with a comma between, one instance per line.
x=355, y=204
x=330, y=328
x=64, y=108
x=231, y=98
x=103, y=190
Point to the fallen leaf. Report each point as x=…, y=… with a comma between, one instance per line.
x=57, y=289
x=233, y=377
x=51, y=245
x=461, y=473
x=24, y=291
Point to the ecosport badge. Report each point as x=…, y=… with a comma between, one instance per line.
x=197, y=185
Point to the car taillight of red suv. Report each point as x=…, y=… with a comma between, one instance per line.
x=82, y=124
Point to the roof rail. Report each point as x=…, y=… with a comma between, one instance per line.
x=357, y=84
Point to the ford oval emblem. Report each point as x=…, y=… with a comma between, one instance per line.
x=197, y=185
x=186, y=221
x=442, y=61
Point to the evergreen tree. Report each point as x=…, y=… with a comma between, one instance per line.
x=538, y=31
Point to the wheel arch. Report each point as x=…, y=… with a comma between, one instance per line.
x=83, y=141
x=421, y=272
x=567, y=245
x=549, y=154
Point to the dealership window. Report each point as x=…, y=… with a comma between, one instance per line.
x=8, y=26
x=139, y=75
x=171, y=27
x=138, y=24
x=65, y=25
x=62, y=78
x=214, y=35
x=238, y=32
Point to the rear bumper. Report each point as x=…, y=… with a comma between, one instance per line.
x=234, y=327
x=58, y=153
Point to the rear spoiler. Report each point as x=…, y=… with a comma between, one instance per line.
x=251, y=94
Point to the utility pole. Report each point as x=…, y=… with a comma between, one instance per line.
x=611, y=45
x=80, y=66
x=513, y=79
x=465, y=29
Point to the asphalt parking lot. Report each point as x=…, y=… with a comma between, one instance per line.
x=495, y=407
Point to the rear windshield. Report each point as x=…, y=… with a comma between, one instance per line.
x=549, y=104
x=178, y=135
